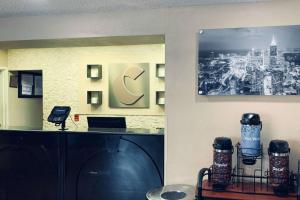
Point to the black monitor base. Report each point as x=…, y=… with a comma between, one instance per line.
x=63, y=126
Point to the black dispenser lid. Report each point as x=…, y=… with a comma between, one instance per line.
x=249, y=160
x=222, y=143
x=250, y=119
x=279, y=146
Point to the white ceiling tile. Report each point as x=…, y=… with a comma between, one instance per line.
x=10, y=8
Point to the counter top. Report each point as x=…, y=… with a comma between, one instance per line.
x=130, y=131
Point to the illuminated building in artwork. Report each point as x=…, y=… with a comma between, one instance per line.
x=273, y=53
x=267, y=84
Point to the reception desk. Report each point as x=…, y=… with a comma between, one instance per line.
x=109, y=164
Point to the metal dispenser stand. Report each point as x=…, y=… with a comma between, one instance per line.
x=245, y=187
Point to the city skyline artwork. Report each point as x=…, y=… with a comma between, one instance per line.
x=249, y=61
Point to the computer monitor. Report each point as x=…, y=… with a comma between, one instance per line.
x=106, y=122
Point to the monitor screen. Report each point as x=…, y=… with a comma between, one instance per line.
x=106, y=122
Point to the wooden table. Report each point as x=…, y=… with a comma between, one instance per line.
x=235, y=192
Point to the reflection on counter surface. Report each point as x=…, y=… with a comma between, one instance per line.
x=158, y=131
x=80, y=164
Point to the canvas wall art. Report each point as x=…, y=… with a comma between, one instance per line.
x=249, y=61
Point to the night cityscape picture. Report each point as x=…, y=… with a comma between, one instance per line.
x=249, y=61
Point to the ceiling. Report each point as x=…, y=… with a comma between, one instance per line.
x=10, y=8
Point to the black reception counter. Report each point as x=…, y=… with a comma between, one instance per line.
x=108, y=164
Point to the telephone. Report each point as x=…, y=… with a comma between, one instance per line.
x=58, y=116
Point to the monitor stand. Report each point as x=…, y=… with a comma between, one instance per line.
x=63, y=126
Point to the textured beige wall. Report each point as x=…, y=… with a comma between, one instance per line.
x=65, y=81
x=192, y=121
x=21, y=112
x=1, y=100
x=24, y=112
x=3, y=58
x=3, y=65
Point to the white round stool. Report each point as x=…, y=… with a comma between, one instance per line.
x=172, y=192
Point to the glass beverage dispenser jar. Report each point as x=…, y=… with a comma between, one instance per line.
x=250, y=137
x=279, y=166
x=222, y=163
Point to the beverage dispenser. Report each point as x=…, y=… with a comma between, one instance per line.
x=250, y=137
x=279, y=166
x=222, y=163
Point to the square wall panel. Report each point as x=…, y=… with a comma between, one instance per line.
x=129, y=85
